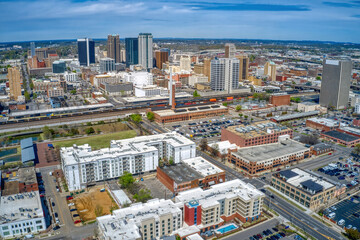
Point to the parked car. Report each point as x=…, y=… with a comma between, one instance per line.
x=71, y=204
x=76, y=215
x=77, y=221
x=341, y=222
x=71, y=210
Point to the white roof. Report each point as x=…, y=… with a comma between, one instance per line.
x=21, y=206
x=326, y=122
x=304, y=176
x=223, y=146
x=187, y=230
x=202, y=166
x=121, y=197
x=195, y=236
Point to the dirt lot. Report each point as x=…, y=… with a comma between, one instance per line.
x=88, y=203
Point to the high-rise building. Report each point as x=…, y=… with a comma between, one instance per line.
x=207, y=67
x=14, y=77
x=32, y=49
x=270, y=70
x=161, y=57
x=185, y=63
x=86, y=51
x=224, y=74
x=132, y=51
x=113, y=47
x=335, y=84
x=59, y=67
x=230, y=50
x=244, y=67
x=122, y=55
x=146, y=50
x=107, y=65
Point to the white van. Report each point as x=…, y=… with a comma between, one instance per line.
x=332, y=215
x=341, y=222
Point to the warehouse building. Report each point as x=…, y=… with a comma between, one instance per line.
x=341, y=138
x=323, y=124
x=82, y=166
x=263, y=132
x=303, y=187
x=294, y=116
x=190, y=173
x=258, y=159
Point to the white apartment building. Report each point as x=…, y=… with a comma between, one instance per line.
x=145, y=221
x=185, y=63
x=197, y=78
x=21, y=214
x=145, y=44
x=150, y=90
x=82, y=166
x=111, y=78
x=207, y=209
x=139, y=78
x=224, y=74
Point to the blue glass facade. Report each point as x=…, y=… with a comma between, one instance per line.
x=132, y=51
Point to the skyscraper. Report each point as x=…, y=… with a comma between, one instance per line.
x=230, y=50
x=161, y=57
x=224, y=74
x=244, y=67
x=32, y=48
x=14, y=77
x=270, y=70
x=107, y=65
x=113, y=47
x=335, y=84
x=146, y=50
x=207, y=67
x=132, y=51
x=86, y=51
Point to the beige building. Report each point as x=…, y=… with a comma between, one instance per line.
x=42, y=86
x=199, y=68
x=270, y=70
x=55, y=92
x=303, y=187
x=141, y=221
x=197, y=78
x=255, y=80
x=243, y=67
x=207, y=67
x=310, y=107
x=185, y=63
x=230, y=50
x=15, y=78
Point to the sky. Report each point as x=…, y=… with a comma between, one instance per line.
x=328, y=20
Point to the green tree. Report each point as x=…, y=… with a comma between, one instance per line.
x=27, y=96
x=241, y=115
x=225, y=104
x=88, y=124
x=196, y=94
x=34, y=96
x=246, y=117
x=256, y=95
x=318, y=78
x=143, y=195
x=203, y=144
x=126, y=180
x=150, y=116
x=356, y=150
x=353, y=234
x=215, y=150
x=89, y=130
x=136, y=118
x=238, y=108
x=171, y=160
x=73, y=92
x=48, y=132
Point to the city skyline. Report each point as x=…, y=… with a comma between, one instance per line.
x=307, y=20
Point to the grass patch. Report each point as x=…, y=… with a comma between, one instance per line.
x=289, y=201
x=97, y=141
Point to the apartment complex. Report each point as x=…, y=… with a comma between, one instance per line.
x=305, y=188
x=190, y=173
x=113, y=48
x=224, y=74
x=257, y=159
x=21, y=214
x=230, y=50
x=141, y=221
x=211, y=208
x=14, y=77
x=263, y=132
x=82, y=166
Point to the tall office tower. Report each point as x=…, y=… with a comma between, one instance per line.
x=335, y=84
x=132, y=51
x=230, y=50
x=107, y=65
x=86, y=51
x=161, y=57
x=270, y=70
x=224, y=74
x=185, y=63
x=14, y=77
x=32, y=49
x=146, y=50
x=244, y=67
x=207, y=67
x=113, y=47
x=122, y=55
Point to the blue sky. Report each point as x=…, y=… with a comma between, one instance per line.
x=330, y=20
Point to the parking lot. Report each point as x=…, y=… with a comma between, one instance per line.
x=345, y=171
x=205, y=128
x=346, y=213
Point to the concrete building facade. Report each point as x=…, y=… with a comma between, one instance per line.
x=113, y=48
x=145, y=42
x=224, y=74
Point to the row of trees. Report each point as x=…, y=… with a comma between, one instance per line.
x=127, y=181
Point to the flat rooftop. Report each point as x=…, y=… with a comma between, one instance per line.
x=340, y=135
x=211, y=196
x=305, y=181
x=202, y=166
x=295, y=116
x=124, y=223
x=154, y=98
x=21, y=206
x=326, y=122
x=181, y=173
x=190, y=109
x=269, y=151
x=257, y=129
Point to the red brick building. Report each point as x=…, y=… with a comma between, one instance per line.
x=280, y=99
x=190, y=173
x=341, y=138
x=322, y=124
x=23, y=180
x=258, y=133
